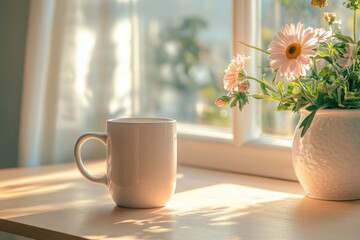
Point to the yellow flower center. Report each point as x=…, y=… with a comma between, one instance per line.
x=293, y=50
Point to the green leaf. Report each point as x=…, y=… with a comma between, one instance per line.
x=234, y=101
x=280, y=86
x=266, y=97
x=242, y=102
x=324, y=71
x=329, y=59
x=311, y=108
x=283, y=107
x=343, y=37
x=299, y=105
x=263, y=89
x=339, y=45
x=320, y=100
x=322, y=53
x=240, y=98
x=305, y=124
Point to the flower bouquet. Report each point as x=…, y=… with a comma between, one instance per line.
x=314, y=68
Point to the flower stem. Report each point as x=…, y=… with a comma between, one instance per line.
x=268, y=86
x=354, y=24
x=305, y=94
x=250, y=46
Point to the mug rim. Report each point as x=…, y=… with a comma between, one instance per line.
x=141, y=120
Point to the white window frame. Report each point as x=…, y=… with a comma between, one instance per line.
x=246, y=150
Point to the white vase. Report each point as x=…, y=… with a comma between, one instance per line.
x=327, y=158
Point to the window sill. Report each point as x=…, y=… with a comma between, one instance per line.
x=248, y=158
x=56, y=201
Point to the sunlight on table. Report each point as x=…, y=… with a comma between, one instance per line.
x=206, y=205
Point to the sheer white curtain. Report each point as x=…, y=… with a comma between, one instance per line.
x=77, y=74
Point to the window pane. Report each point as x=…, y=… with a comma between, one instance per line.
x=275, y=14
x=183, y=48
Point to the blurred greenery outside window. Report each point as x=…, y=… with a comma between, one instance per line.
x=184, y=47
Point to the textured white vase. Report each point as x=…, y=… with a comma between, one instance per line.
x=327, y=159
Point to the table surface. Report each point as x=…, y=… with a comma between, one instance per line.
x=56, y=202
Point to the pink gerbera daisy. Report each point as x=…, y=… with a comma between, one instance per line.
x=290, y=51
x=234, y=74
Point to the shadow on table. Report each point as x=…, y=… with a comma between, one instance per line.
x=285, y=219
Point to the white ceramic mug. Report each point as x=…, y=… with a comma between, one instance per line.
x=141, y=160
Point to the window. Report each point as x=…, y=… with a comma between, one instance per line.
x=117, y=58
x=96, y=60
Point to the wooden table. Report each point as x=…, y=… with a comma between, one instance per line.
x=55, y=202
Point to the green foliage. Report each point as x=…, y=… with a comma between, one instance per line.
x=352, y=4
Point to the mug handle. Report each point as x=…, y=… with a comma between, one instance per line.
x=101, y=137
